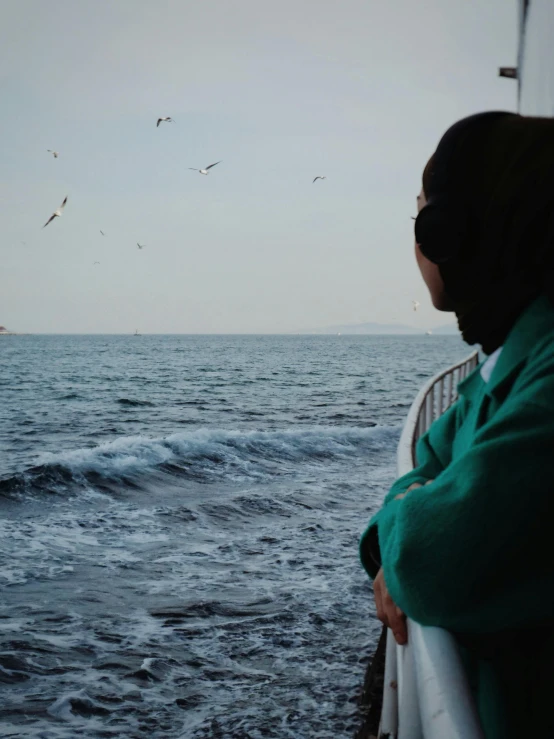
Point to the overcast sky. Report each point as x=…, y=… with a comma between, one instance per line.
x=280, y=91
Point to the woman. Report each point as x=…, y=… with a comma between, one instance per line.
x=465, y=541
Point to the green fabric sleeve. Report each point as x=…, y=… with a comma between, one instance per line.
x=472, y=551
x=434, y=451
x=370, y=550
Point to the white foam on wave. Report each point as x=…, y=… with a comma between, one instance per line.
x=211, y=448
x=278, y=565
x=56, y=543
x=62, y=706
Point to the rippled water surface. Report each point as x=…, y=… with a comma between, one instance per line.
x=179, y=519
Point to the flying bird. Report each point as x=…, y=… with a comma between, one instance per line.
x=167, y=119
x=103, y=234
x=95, y=263
x=55, y=154
x=140, y=246
x=415, y=304
x=319, y=177
x=56, y=213
x=205, y=171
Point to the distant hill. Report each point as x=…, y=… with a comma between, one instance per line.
x=5, y=332
x=380, y=328
x=447, y=328
x=366, y=328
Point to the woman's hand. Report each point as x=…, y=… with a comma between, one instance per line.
x=387, y=610
x=413, y=486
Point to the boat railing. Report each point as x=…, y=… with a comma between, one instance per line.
x=426, y=694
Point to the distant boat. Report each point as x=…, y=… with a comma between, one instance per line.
x=136, y=332
x=428, y=333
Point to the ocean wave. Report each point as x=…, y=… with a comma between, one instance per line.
x=131, y=402
x=78, y=703
x=203, y=455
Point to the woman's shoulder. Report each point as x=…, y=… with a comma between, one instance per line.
x=536, y=379
x=542, y=354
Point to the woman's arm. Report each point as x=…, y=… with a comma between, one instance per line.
x=433, y=452
x=472, y=549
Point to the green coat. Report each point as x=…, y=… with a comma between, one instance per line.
x=472, y=551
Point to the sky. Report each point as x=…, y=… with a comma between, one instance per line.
x=359, y=91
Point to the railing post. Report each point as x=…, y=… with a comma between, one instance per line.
x=421, y=422
x=450, y=391
x=440, y=399
x=428, y=411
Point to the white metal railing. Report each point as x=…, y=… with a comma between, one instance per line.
x=425, y=694
x=434, y=398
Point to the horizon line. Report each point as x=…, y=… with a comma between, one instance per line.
x=415, y=332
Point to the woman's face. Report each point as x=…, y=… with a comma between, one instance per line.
x=430, y=271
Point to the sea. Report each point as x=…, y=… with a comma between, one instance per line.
x=179, y=518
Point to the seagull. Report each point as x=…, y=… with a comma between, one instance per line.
x=415, y=304
x=140, y=246
x=205, y=171
x=56, y=213
x=95, y=263
x=103, y=234
x=319, y=177
x=167, y=119
x=55, y=154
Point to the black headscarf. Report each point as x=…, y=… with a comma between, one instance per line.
x=501, y=176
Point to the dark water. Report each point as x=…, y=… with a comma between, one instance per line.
x=179, y=519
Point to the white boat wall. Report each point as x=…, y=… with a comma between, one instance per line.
x=535, y=69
